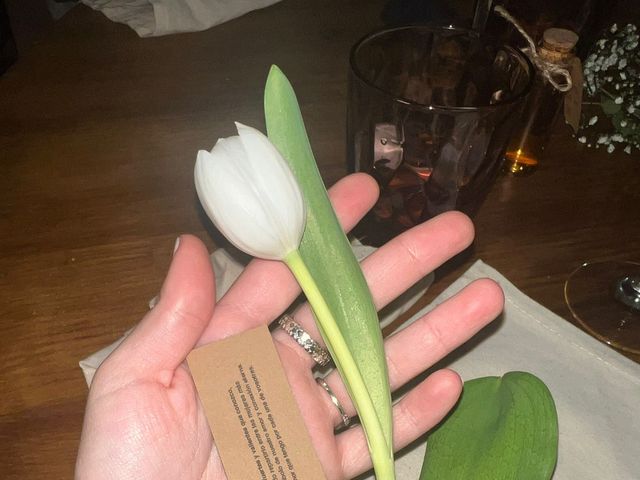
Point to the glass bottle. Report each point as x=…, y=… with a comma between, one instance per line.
x=585, y=17
x=541, y=109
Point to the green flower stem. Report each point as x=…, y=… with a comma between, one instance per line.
x=381, y=452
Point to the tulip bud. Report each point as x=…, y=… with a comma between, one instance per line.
x=251, y=195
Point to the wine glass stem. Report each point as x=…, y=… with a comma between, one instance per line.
x=627, y=291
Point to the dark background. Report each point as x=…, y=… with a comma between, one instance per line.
x=24, y=23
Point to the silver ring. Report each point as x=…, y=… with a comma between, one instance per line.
x=319, y=354
x=346, y=419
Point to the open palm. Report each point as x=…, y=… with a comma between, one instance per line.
x=144, y=418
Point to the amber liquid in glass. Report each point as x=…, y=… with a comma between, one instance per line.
x=402, y=199
x=519, y=162
x=410, y=195
x=527, y=146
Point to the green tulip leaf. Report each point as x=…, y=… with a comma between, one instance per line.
x=502, y=429
x=340, y=292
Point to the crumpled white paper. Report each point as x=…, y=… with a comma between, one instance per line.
x=152, y=18
x=596, y=390
x=227, y=268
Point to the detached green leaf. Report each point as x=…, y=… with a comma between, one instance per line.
x=502, y=429
x=327, y=254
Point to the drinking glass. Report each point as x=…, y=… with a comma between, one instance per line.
x=429, y=116
x=604, y=297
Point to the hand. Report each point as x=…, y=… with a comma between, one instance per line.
x=144, y=418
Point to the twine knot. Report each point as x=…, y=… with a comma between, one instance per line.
x=549, y=70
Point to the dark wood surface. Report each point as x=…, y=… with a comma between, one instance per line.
x=98, y=135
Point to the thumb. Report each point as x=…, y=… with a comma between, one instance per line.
x=168, y=333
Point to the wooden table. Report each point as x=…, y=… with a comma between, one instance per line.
x=98, y=135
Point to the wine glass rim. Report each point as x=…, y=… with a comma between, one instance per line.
x=589, y=263
x=585, y=324
x=439, y=108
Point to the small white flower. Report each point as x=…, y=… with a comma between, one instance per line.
x=610, y=148
x=593, y=120
x=251, y=195
x=582, y=139
x=627, y=149
x=618, y=100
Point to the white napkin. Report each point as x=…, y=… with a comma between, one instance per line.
x=152, y=18
x=596, y=390
x=227, y=268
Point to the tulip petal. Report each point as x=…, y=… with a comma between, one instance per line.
x=250, y=194
x=284, y=204
x=237, y=220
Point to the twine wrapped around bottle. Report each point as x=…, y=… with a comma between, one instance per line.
x=548, y=69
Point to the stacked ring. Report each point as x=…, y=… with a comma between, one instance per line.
x=346, y=420
x=319, y=354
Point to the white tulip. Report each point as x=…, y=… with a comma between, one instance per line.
x=251, y=194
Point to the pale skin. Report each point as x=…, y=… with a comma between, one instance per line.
x=144, y=419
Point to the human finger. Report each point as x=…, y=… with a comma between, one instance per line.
x=403, y=261
x=168, y=332
x=417, y=412
x=430, y=338
x=441, y=331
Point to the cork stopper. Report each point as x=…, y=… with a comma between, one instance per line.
x=559, y=39
x=557, y=44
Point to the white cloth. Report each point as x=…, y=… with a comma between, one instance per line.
x=596, y=390
x=152, y=18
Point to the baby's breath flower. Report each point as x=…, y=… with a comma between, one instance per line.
x=611, y=73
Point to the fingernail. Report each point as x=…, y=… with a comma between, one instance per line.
x=153, y=302
x=177, y=244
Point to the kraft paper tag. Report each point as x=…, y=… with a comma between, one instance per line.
x=573, y=98
x=255, y=421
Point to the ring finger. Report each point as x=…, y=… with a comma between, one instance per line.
x=427, y=340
